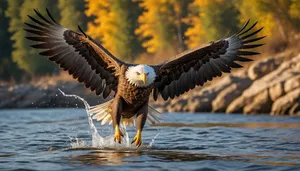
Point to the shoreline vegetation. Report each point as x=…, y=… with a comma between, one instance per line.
x=268, y=86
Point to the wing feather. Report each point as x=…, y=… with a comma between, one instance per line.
x=202, y=64
x=83, y=58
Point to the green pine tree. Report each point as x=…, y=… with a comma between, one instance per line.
x=27, y=58
x=72, y=13
x=8, y=68
x=210, y=21
x=160, y=25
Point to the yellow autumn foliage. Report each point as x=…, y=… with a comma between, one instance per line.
x=158, y=24
x=102, y=27
x=278, y=17
x=206, y=21
x=264, y=18
x=111, y=25
x=195, y=34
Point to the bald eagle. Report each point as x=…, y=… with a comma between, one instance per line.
x=101, y=72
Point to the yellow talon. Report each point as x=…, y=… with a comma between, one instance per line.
x=118, y=134
x=137, y=139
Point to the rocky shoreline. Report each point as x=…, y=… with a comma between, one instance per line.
x=45, y=95
x=268, y=86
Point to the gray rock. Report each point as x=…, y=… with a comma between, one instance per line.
x=292, y=84
x=288, y=104
x=261, y=104
x=233, y=91
x=263, y=67
x=247, y=101
x=276, y=91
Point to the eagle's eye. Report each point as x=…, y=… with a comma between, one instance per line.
x=137, y=73
x=147, y=73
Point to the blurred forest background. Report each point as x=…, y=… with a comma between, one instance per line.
x=141, y=31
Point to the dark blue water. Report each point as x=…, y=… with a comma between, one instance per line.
x=46, y=139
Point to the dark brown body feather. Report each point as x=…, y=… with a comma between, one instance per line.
x=133, y=97
x=130, y=100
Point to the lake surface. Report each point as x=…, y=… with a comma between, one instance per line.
x=60, y=139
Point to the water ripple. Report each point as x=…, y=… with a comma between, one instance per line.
x=61, y=139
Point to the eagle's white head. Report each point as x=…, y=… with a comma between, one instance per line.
x=140, y=75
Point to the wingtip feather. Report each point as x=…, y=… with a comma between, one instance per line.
x=82, y=31
x=49, y=14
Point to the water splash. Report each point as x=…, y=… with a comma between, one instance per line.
x=153, y=139
x=97, y=140
x=78, y=143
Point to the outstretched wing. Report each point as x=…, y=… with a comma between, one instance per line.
x=76, y=53
x=195, y=67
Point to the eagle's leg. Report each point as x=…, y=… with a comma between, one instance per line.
x=140, y=122
x=116, y=117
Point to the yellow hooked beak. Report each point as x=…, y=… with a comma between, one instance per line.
x=143, y=77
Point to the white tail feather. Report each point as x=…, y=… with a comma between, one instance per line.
x=102, y=112
x=107, y=119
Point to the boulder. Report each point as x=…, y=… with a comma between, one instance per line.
x=270, y=82
x=260, y=68
x=237, y=105
x=261, y=104
x=225, y=97
x=200, y=104
x=176, y=105
x=292, y=83
x=204, y=99
x=233, y=91
x=276, y=91
x=295, y=109
x=288, y=104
